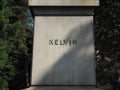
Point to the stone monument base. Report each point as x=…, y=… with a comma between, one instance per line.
x=62, y=88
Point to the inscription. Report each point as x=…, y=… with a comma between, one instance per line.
x=62, y=42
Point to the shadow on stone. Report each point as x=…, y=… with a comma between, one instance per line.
x=76, y=67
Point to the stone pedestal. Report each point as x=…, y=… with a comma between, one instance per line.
x=63, y=52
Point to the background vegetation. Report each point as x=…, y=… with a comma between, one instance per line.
x=16, y=43
x=107, y=42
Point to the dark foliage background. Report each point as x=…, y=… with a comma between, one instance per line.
x=107, y=42
x=15, y=44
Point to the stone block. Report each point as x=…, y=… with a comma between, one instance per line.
x=64, y=2
x=63, y=52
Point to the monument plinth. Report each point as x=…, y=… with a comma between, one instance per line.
x=63, y=52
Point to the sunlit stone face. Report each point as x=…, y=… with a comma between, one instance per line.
x=64, y=2
x=63, y=51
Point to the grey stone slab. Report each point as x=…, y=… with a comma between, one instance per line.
x=64, y=2
x=63, y=11
x=63, y=52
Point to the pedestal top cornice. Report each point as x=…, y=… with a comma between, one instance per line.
x=63, y=2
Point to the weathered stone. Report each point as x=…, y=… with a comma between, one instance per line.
x=63, y=64
x=64, y=2
x=63, y=52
